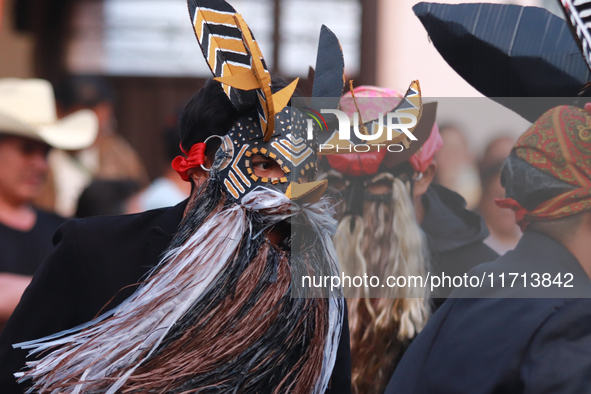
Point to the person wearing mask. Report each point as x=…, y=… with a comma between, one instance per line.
x=395, y=222
x=199, y=295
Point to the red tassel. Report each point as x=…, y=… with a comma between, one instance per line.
x=195, y=158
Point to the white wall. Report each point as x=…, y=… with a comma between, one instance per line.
x=405, y=54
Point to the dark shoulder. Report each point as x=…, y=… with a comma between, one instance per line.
x=559, y=354
x=567, y=321
x=571, y=310
x=522, y=317
x=113, y=252
x=107, y=230
x=119, y=223
x=461, y=260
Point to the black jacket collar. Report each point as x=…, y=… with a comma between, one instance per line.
x=447, y=224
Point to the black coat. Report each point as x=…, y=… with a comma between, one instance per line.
x=507, y=344
x=92, y=261
x=454, y=236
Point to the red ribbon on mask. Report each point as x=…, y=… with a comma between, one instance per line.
x=195, y=158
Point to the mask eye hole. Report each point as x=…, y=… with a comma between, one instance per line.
x=380, y=187
x=265, y=167
x=381, y=184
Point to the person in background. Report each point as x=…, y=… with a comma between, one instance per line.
x=110, y=157
x=28, y=130
x=504, y=233
x=533, y=335
x=108, y=197
x=169, y=189
x=396, y=222
x=456, y=166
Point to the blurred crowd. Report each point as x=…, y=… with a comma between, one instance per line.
x=43, y=181
x=477, y=178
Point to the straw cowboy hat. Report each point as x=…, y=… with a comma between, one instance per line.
x=27, y=109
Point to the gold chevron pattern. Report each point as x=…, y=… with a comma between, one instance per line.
x=221, y=41
x=296, y=154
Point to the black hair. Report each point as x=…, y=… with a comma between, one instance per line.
x=210, y=112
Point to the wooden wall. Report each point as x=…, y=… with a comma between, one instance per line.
x=142, y=108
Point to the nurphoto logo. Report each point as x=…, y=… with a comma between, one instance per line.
x=393, y=124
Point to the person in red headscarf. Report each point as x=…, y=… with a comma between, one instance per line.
x=528, y=328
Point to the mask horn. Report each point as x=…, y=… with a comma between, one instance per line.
x=220, y=39
x=329, y=74
x=236, y=61
x=408, y=111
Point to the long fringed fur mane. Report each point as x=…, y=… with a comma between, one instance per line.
x=380, y=328
x=238, y=331
x=236, y=309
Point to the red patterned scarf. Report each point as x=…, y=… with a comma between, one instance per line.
x=559, y=144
